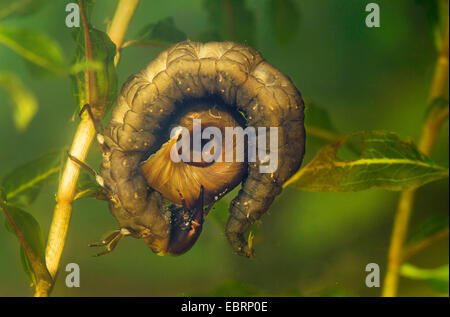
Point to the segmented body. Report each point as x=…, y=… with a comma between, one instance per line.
x=237, y=75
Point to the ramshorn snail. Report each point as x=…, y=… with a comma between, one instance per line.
x=222, y=84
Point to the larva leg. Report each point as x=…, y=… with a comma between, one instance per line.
x=98, y=178
x=110, y=242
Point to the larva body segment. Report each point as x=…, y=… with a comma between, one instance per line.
x=235, y=74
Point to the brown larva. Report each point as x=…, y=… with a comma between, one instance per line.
x=223, y=83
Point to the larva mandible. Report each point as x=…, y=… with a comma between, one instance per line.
x=187, y=79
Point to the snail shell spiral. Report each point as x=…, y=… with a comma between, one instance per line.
x=182, y=181
x=223, y=83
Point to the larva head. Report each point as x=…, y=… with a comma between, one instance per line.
x=179, y=233
x=186, y=226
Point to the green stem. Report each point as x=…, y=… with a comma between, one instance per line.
x=427, y=140
x=83, y=138
x=423, y=244
x=119, y=25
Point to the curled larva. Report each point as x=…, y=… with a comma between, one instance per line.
x=224, y=84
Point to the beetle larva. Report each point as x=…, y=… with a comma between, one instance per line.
x=223, y=83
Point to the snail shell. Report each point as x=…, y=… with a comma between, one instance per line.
x=182, y=181
x=185, y=81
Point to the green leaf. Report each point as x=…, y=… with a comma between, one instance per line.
x=37, y=48
x=87, y=186
x=384, y=161
x=163, y=32
x=430, y=227
x=437, y=278
x=32, y=233
x=22, y=185
x=26, y=266
x=23, y=100
x=284, y=17
x=20, y=8
x=83, y=66
x=88, y=6
x=229, y=20
x=102, y=65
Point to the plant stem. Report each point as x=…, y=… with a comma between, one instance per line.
x=83, y=138
x=425, y=243
x=66, y=192
x=43, y=278
x=120, y=22
x=428, y=138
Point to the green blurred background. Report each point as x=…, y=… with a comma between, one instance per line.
x=309, y=243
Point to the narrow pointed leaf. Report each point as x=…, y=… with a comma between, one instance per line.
x=43, y=53
x=437, y=277
x=26, y=266
x=384, y=161
x=32, y=233
x=102, y=65
x=20, y=8
x=23, y=184
x=23, y=101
